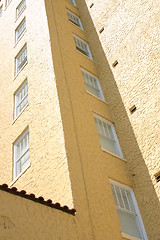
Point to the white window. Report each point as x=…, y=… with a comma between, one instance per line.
x=8, y=2
x=128, y=212
x=107, y=136
x=21, y=59
x=74, y=19
x=21, y=98
x=1, y=7
x=20, y=8
x=21, y=154
x=73, y=2
x=82, y=46
x=92, y=84
x=20, y=29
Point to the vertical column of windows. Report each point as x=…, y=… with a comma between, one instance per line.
x=21, y=146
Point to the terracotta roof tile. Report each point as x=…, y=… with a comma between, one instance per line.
x=32, y=197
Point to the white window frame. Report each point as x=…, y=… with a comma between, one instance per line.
x=21, y=9
x=17, y=34
x=72, y=16
x=18, y=103
x=1, y=9
x=19, y=66
x=8, y=2
x=114, y=136
x=73, y=2
x=25, y=134
x=137, y=212
x=86, y=53
x=97, y=88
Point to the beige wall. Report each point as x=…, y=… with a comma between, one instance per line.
x=67, y=162
x=48, y=174
x=131, y=36
x=24, y=219
x=90, y=167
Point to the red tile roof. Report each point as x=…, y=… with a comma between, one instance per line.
x=22, y=193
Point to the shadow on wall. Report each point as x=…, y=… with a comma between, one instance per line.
x=146, y=196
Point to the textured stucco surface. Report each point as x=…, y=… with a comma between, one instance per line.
x=48, y=174
x=67, y=162
x=131, y=36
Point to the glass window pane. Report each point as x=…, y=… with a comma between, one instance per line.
x=128, y=223
x=21, y=149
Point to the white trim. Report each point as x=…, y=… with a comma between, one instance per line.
x=22, y=50
x=137, y=212
x=97, y=82
x=88, y=53
x=72, y=21
x=97, y=97
x=15, y=176
x=20, y=175
x=73, y=2
x=23, y=86
x=17, y=16
x=1, y=10
x=20, y=113
x=17, y=38
x=114, y=135
x=125, y=235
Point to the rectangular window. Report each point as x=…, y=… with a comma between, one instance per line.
x=20, y=8
x=73, y=2
x=74, y=19
x=107, y=136
x=21, y=154
x=8, y=2
x=92, y=84
x=128, y=212
x=20, y=29
x=1, y=7
x=21, y=59
x=21, y=98
x=82, y=46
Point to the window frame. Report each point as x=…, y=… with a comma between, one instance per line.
x=79, y=20
x=89, y=55
x=137, y=212
x=19, y=139
x=73, y=2
x=97, y=81
x=17, y=15
x=8, y=2
x=15, y=98
x=19, y=37
x=114, y=135
x=1, y=10
x=25, y=59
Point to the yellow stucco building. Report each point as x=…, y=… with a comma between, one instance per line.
x=79, y=120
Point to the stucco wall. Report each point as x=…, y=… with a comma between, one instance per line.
x=131, y=36
x=24, y=219
x=48, y=174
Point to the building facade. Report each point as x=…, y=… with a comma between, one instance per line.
x=78, y=94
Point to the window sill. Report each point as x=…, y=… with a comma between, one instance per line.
x=85, y=55
x=20, y=14
x=72, y=4
x=20, y=113
x=20, y=70
x=20, y=38
x=125, y=235
x=76, y=25
x=97, y=98
x=104, y=150
x=15, y=180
